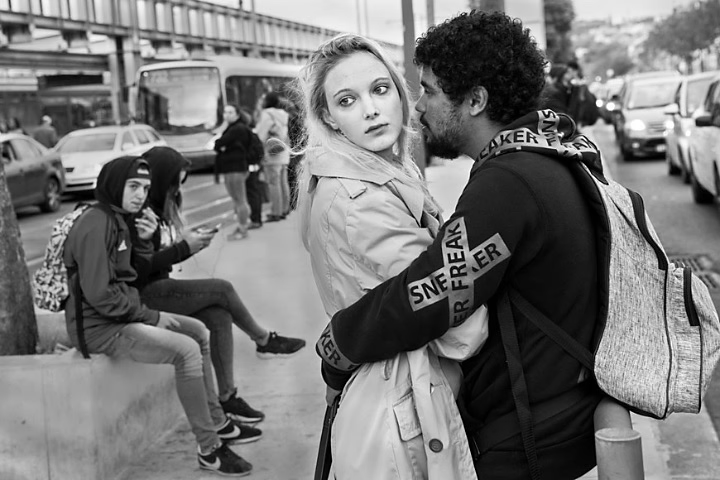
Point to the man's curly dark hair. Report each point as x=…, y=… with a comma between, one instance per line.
x=490, y=50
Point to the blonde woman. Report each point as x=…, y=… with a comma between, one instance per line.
x=365, y=213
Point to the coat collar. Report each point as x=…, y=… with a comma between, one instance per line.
x=326, y=165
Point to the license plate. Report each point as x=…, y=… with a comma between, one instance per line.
x=660, y=148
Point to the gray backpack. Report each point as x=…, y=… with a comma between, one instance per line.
x=658, y=336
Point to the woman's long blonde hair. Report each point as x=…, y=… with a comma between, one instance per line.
x=319, y=138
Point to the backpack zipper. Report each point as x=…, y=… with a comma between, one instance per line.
x=687, y=293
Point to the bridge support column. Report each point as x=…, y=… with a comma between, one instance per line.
x=17, y=33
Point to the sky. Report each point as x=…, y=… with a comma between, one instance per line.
x=385, y=16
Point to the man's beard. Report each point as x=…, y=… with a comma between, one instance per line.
x=440, y=147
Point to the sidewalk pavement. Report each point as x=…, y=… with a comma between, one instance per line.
x=271, y=271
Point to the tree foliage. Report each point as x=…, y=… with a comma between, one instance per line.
x=18, y=327
x=687, y=30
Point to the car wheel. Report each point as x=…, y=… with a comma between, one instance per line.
x=51, y=203
x=700, y=195
x=685, y=171
x=627, y=154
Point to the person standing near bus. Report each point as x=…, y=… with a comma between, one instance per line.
x=272, y=128
x=232, y=149
x=46, y=133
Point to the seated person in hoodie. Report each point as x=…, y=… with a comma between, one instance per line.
x=212, y=300
x=116, y=322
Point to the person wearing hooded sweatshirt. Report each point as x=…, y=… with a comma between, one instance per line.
x=271, y=127
x=118, y=324
x=213, y=301
x=233, y=151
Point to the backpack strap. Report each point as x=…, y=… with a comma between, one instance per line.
x=80, y=328
x=517, y=383
x=74, y=273
x=517, y=376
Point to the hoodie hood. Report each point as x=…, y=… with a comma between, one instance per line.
x=165, y=166
x=545, y=132
x=111, y=180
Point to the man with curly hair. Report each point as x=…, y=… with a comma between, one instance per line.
x=521, y=230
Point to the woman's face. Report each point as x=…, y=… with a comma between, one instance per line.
x=364, y=103
x=230, y=114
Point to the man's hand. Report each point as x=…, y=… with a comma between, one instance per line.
x=167, y=321
x=330, y=395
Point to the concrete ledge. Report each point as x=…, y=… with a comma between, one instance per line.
x=66, y=418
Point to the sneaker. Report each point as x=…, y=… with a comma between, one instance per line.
x=279, y=346
x=254, y=225
x=274, y=218
x=237, y=235
x=238, y=409
x=233, y=433
x=224, y=461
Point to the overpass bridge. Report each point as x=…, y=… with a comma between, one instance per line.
x=112, y=38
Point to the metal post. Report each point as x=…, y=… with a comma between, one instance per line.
x=618, y=447
x=430, y=8
x=411, y=73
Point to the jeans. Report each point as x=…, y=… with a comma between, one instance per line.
x=255, y=196
x=235, y=185
x=277, y=177
x=187, y=348
x=216, y=303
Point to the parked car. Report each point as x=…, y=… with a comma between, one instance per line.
x=640, y=123
x=705, y=147
x=34, y=174
x=690, y=96
x=85, y=151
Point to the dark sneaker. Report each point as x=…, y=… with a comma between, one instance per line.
x=279, y=346
x=238, y=409
x=224, y=461
x=233, y=432
x=254, y=225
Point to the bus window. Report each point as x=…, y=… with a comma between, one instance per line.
x=180, y=100
x=247, y=91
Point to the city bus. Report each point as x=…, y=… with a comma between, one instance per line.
x=183, y=100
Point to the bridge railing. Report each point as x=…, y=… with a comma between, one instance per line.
x=193, y=23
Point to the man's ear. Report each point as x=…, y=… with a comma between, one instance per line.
x=329, y=120
x=478, y=100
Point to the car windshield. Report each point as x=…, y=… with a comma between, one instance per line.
x=180, y=100
x=696, y=91
x=652, y=94
x=87, y=143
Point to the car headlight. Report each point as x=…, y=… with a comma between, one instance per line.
x=669, y=124
x=636, y=125
x=610, y=106
x=598, y=103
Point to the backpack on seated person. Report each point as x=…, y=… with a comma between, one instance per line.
x=50, y=286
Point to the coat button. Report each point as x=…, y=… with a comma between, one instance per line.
x=436, y=445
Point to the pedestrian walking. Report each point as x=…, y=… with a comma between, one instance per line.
x=521, y=223
x=365, y=213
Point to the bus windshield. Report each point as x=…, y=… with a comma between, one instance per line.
x=180, y=100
